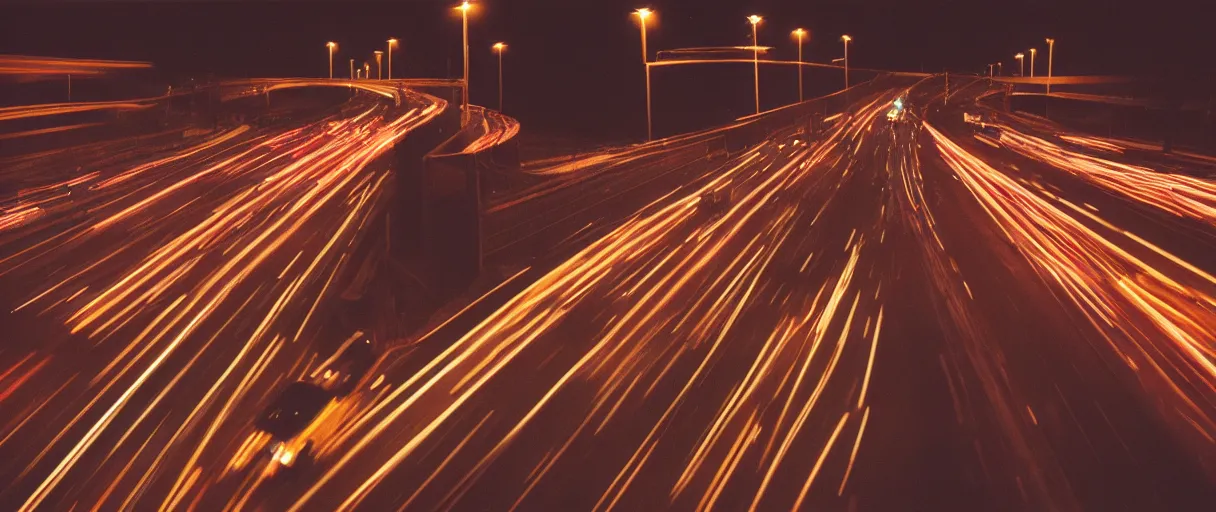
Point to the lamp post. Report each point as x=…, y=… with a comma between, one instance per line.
x=391, y=44
x=755, y=20
x=464, y=24
x=846, y=40
x=498, y=48
x=800, y=34
x=1000, y=69
x=642, y=14
x=1033, y=52
x=352, y=69
x=379, y=68
x=1021, y=64
x=990, y=71
x=331, y=45
x=367, y=71
x=1051, y=47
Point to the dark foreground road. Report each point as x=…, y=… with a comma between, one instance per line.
x=894, y=316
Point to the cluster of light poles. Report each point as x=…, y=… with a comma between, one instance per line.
x=365, y=72
x=800, y=34
x=1021, y=58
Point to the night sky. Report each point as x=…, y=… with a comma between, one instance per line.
x=586, y=53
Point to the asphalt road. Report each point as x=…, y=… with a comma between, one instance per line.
x=161, y=290
x=881, y=320
x=894, y=316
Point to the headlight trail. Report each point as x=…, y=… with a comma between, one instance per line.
x=668, y=294
x=1154, y=310
x=1177, y=194
x=157, y=263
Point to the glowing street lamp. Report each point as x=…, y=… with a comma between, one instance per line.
x=465, y=7
x=352, y=69
x=379, y=75
x=391, y=44
x=332, y=46
x=498, y=48
x=1051, y=47
x=1033, y=52
x=845, y=38
x=367, y=71
x=801, y=35
x=1021, y=64
x=642, y=14
x=1000, y=69
x=755, y=20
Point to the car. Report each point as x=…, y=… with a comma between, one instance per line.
x=715, y=203
x=895, y=115
x=290, y=420
x=342, y=373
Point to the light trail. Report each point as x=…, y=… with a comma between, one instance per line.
x=164, y=257
x=1155, y=311
x=1180, y=195
x=641, y=278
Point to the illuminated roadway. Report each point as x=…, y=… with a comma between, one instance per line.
x=882, y=320
x=890, y=316
x=161, y=289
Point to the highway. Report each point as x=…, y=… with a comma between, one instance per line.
x=160, y=290
x=905, y=315
x=880, y=320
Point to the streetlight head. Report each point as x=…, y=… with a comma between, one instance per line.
x=392, y=41
x=465, y=6
x=1019, y=56
x=1051, y=41
x=846, y=38
x=331, y=44
x=378, y=52
x=799, y=33
x=499, y=47
x=643, y=13
x=754, y=20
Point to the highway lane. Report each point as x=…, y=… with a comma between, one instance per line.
x=859, y=329
x=157, y=305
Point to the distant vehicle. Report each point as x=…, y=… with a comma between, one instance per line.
x=342, y=373
x=289, y=421
x=715, y=202
x=896, y=115
x=983, y=124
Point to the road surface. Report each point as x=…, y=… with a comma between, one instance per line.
x=881, y=320
x=890, y=316
x=160, y=291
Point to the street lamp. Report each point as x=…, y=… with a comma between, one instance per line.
x=846, y=40
x=1000, y=69
x=464, y=24
x=379, y=74
x=1021, y=64
x=498, y=48
x=391, y=44
x=642, y=14
x=1051, y=47
x=755, y=20
x=332, y=46
x=1033, y=52
x=367, y=71
x=800, y=34
x=990, y=66
x=352, y=69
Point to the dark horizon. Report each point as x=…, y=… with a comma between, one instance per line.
x=598, y=49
